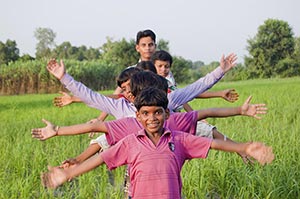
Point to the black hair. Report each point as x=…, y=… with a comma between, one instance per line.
x=126, y=75
x=145, y=33
x=147, y=66
x=162, y=56
x=151, y=97
x=145, y=79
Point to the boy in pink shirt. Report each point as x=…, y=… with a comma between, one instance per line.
x=155, y=154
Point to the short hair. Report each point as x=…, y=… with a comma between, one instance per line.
x=145, y=33
x=146, y=79
x=126, y=75
x=151, y=97
x=147, y=66
x=162, y=56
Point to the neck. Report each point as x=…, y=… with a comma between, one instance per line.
x=154, y=137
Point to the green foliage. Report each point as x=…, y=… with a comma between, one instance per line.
x=67, y=51
x=180, y=69
x=45, y=37
x=163, y=45
x=273, y=42
x=32, y=76
x=296, y=54
x=8, y=52
x=288, y=67
x=239, y=72
x=122, y=53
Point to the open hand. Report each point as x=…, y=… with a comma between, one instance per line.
x=253, y=110
x=55, y=177
x=228, y=62
x=44, y=133
x=259, y=151
x=230, y=95
x=57, y=70
x=63, y=100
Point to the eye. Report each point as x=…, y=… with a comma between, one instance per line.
x=158, y=112
x=145, y=113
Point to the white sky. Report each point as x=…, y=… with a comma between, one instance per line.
x=195, y=29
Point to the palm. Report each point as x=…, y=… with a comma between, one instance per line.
x=57, y=70
x=253, y=110
x=55, y=177
x=263, y=154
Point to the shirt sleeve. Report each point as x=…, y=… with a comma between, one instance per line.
x=184, y=95
x=186, y=122
x=118, y=129
x=118, y=108
x=116, y=155
x=196, y=147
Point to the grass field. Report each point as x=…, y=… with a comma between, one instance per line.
x=221, y=175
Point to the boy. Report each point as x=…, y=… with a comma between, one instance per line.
x=155, y=154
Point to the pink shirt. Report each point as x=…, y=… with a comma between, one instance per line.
x=155, y=170
x=118, y=129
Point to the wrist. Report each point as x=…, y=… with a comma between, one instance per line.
x=56, y=129
x=240, y=111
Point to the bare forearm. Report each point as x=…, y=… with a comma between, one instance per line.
x=89, y=152
x=228, y=146
x=210, y=94
x=84, y=167
x=82, y=128
x=219, y=112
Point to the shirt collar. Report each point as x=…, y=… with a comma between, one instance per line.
x=142, y=133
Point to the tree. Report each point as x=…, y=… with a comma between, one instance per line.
x=8, y=51
x=45, y=37
x=163, y=45
x=297, y=49
x=121, y=52
x=180, y=69
x=273, y=43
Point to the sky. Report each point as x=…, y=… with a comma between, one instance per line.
x=195, y=29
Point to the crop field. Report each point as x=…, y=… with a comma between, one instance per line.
x=221, y=175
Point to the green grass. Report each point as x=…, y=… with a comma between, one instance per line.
x=221, y=175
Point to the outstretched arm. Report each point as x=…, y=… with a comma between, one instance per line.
x=56, y=176
x=52, y=130
x=183, y=95
x=229, y=95
x=257, y=150
x=86, y=154
x=247, y=109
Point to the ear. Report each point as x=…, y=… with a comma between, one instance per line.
x=167, y=113
x=138, y=116
x=137, y=48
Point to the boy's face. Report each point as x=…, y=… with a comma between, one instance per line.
x=152, y=118
x=146, y=47
x=127, y=91
x=162, y=67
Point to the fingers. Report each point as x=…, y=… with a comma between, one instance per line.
x=57, y=101
x=262, y=153
x=248, y=100
x=232, y=95
x=51, y=64
x=37, y=133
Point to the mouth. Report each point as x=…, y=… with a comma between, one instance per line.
x=153, y=125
